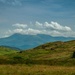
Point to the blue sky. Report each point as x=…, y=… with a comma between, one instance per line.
x=53, y=17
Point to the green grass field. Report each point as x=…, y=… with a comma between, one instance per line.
x=56, y=58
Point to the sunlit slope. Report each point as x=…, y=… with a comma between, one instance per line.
x=6, y=50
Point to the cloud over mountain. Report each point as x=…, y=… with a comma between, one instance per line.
x=56, y=26
x=53, y=29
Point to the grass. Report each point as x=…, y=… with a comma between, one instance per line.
x=22, y=69
x=5, y=50
x=57, y=58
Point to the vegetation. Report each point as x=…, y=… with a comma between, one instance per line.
x=35, y=70
x=5, y=50
x=53, y=58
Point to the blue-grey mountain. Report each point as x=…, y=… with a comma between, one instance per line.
x=30, y=41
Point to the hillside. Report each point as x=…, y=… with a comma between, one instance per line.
x=54, y=53
x=30, y=41
x=54, y=58
x=7, y=50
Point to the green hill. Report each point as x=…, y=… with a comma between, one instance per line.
x=54, y=53
x=6, y=50
x=53, y=58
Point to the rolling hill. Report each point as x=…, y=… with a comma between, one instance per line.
x=53, y=53
x=30, y=41
x=7, y=50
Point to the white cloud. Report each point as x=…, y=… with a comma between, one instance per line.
x=53, y=29
x=38, y=24
x=27, y=31
x=56, y=26
x=33, y=31
x=55, y=33
x=18, y=30
x=20, y=25
x=24, y=31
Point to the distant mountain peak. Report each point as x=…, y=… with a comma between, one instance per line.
x=24, y=41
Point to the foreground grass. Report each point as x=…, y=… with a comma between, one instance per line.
x=36, y=70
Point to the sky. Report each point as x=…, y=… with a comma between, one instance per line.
x=52, y=17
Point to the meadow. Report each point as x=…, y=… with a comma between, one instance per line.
x=57, y=58
x=22, y=69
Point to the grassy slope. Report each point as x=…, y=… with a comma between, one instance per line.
x=56, y=53
x=5, y=50
x=47, y=59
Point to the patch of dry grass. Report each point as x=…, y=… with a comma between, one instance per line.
x=36, y=70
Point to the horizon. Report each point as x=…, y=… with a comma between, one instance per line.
x=35, y=35
x=51, y=17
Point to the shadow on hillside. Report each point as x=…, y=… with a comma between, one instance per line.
x=38, y=62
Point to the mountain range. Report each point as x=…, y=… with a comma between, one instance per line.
x=24, y=42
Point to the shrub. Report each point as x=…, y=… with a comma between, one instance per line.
x=73, y=56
